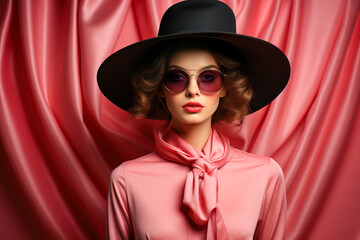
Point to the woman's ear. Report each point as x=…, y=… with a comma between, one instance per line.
x=223, y=93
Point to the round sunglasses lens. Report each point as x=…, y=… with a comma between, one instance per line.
x=176, y=80
x=210, y=81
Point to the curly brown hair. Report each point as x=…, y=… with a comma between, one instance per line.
x=147, y=82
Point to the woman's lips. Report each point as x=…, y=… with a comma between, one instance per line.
x=193, y=107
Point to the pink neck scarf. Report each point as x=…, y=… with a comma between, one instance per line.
x=201, y=187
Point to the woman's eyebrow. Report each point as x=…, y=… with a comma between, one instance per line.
x=206, y=67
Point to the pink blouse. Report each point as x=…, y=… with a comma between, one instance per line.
x=179, y=192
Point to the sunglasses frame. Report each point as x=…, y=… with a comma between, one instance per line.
x=197, y=78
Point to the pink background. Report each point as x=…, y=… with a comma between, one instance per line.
x=60, y=138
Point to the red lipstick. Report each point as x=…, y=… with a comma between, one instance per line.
x=193, y=107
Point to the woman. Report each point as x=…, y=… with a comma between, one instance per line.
x=198, y=71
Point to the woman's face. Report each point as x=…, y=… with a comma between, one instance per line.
x=192, y=106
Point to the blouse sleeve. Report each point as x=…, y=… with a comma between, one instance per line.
x=272, y=221
x=118, y=215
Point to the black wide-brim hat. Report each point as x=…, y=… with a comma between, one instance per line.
x=268, y=68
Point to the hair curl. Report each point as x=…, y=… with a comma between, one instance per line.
x=147, y=82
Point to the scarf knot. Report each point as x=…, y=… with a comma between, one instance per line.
x=203, y=165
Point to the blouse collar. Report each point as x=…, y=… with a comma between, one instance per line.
x=170, y=146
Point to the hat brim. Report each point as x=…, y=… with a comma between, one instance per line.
x=269, y=68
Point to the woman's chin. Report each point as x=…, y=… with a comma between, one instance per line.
x=193, y=119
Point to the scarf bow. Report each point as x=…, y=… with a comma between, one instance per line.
x=201, y=185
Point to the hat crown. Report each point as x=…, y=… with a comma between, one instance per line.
x=198, y=16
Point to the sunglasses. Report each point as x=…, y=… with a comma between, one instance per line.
x=209, y=80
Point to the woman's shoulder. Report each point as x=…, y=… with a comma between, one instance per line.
x=240, y=157
x=150, y=164
x=243, y=155
x=138, y=162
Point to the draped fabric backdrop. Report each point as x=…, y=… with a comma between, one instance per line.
x=60, y=138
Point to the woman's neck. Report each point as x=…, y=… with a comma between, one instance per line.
x=195, y=134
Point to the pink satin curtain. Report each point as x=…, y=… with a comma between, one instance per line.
x=60, y=138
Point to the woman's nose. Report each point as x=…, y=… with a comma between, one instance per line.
x=193, y=88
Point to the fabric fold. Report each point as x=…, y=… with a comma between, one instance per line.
x=201, y=185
